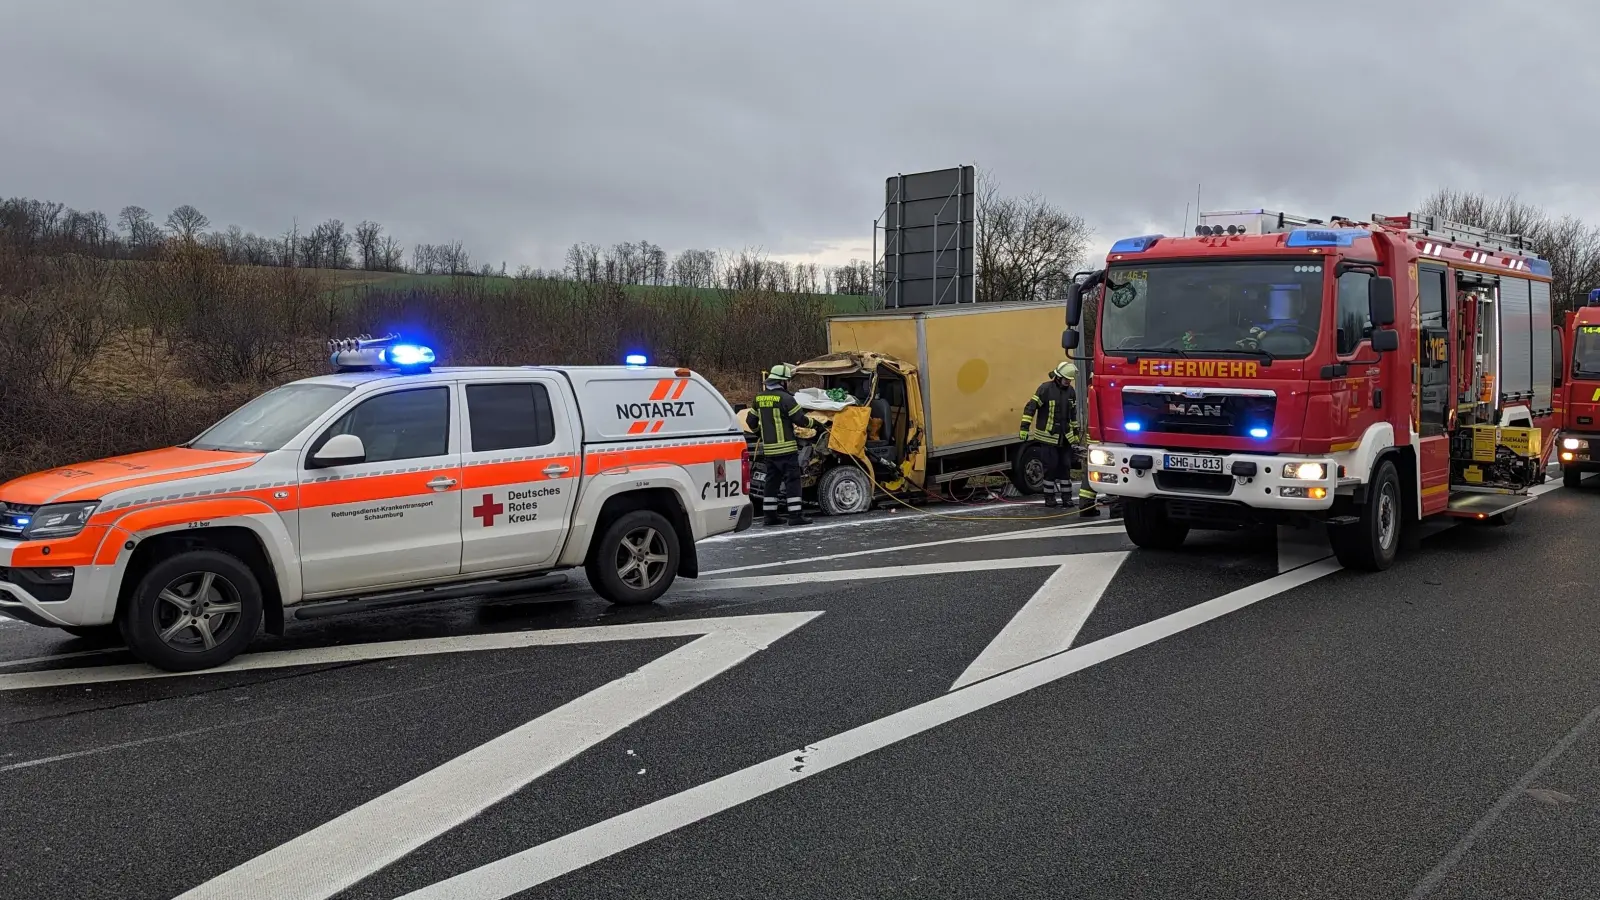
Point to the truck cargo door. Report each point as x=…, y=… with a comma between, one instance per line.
x=1435, y=356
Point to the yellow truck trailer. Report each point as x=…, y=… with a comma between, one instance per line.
x=952, y=381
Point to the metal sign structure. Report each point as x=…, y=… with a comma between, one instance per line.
x=929, y=225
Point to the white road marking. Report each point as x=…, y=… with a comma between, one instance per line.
x=1300, y=546
x=855, y=522
x=943, y=568
x=1049, y=622
x=332, y=857
x=1025, y=534
x=321, y=656
x=520, y=872
x=12, y=663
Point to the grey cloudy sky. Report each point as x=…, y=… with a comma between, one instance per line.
x=520, y=127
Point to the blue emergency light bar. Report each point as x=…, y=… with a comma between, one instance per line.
x=1594, y=297
x=1324, y=237
x=367, y=353
x=1136, y=244
x=636, y=360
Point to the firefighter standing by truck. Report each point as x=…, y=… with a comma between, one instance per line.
x=779, y=414
x=1051, y=419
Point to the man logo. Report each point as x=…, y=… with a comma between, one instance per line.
x=1205, y=410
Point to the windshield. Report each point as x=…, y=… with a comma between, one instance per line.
x=270, y=420
x=1261, y=308
x=1586, y=352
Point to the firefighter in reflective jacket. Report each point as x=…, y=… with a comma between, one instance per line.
x=1051, y=419
x=779, y=414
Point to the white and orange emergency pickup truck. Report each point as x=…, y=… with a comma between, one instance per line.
x=388, y=483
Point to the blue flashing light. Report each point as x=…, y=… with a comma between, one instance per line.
x=1594, y=297
x=1131, y=425
x=22, y=521
x=1324, y=237
x=1539, y=267
x=1136, y=244
x=636, y=360
x=1259, y=433
x=408, y=355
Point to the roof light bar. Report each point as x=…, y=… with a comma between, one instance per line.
x=367, y=353
x=1136, y=244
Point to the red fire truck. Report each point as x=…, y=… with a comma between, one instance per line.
x=1277, y=369
x=1578, y=393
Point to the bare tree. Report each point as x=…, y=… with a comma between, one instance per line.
x=140, y=227
x=1571, y=247
x=391, y=256
x=1027, y=248
x=368, y=240
x=186, y=222
x=695, y=269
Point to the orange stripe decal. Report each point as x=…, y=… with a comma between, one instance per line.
x=373, y=487
x=662, y=387
x=683, y=384
x=497, y=474
x=681, y=456
x=637, y=427
x=656, y=425
x=73, y=551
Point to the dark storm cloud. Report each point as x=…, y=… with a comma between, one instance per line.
x=519, y=127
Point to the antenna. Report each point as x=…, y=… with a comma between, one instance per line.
x=1185, y=229
x=1197, y=201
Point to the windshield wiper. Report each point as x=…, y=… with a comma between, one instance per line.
x=1134, y=354
x=1265, y=357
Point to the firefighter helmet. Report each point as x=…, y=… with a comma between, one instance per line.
x=780, y=372
x=1066, y=371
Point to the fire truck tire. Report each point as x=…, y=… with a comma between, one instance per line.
x=1504, y=519
x=1571, y=478
x=1147, y=525
x=193, y=610
x=1371, y=543
x=636, y=559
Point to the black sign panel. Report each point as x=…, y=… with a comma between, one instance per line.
x=930, y=227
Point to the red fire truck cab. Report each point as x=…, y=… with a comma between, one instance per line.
x=1279, y=369
x=1578, y=393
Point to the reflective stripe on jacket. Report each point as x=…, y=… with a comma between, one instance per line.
x=1051, y=413
x=779, y=415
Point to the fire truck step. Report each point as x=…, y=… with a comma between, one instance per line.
x=1474, y=505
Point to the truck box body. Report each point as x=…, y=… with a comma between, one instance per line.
x=979, y=363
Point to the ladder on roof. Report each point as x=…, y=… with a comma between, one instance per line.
x=1433, y=226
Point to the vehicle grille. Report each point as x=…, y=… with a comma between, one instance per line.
x=1218, y=415
x=1195, y=483
x=13, y=518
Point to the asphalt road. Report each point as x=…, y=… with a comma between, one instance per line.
x=981, y=702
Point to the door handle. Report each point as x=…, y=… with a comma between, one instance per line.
x=555, y=470
x=442, y=483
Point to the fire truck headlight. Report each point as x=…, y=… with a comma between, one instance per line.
x=1305, y=471
x=1099, y=458
x=1573, y=443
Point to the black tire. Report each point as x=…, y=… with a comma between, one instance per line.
x=214, y=583
x=1027, y=472
x=844, y=490
x=1370, y=545
x=636, y=559
x=97, y=633
x=1504, y=519
x=1147, y=525
x=1572, y=478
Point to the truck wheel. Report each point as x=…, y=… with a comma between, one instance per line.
x=636, y=559
x=1148, y=526
x=1027, y=473
x=192, y=611
x=1504, y=519
x=1572, y=478
x=844, y=490
x=1370, y=544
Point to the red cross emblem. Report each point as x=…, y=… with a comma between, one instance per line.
x=487, y=510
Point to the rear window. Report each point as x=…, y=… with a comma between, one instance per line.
x=509, y=416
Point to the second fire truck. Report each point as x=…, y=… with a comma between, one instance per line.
x=1578, y=393
x=1276, y=368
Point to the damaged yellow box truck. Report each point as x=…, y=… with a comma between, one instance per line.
x=920, y=401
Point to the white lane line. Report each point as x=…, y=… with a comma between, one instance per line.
x=759, y=532
x=1439, y=872
x=944, y=568
x=320, y=656
x=1300, y=546
x=332, y=857
x=1024, y=534
x=1051, y=619
x=12, y=663
x=511, y=875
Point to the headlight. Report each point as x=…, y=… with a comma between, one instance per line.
x=1573, y=443
x=1304, y=471
x=59, y=520
x=1099, y=458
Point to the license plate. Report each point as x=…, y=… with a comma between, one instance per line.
x=1191, y=463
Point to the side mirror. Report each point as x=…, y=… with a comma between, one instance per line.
x=340, y=450
x=1074, y=304
x=1386, y=340
x=1069, y=339
x=1380, y=301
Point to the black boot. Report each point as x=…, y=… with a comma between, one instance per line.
x=1050, y=500
x=798, y=518
x=1087, y=509
x=772, y=518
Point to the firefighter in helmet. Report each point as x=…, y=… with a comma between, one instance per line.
x=779, y=414
x=1051, y=420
